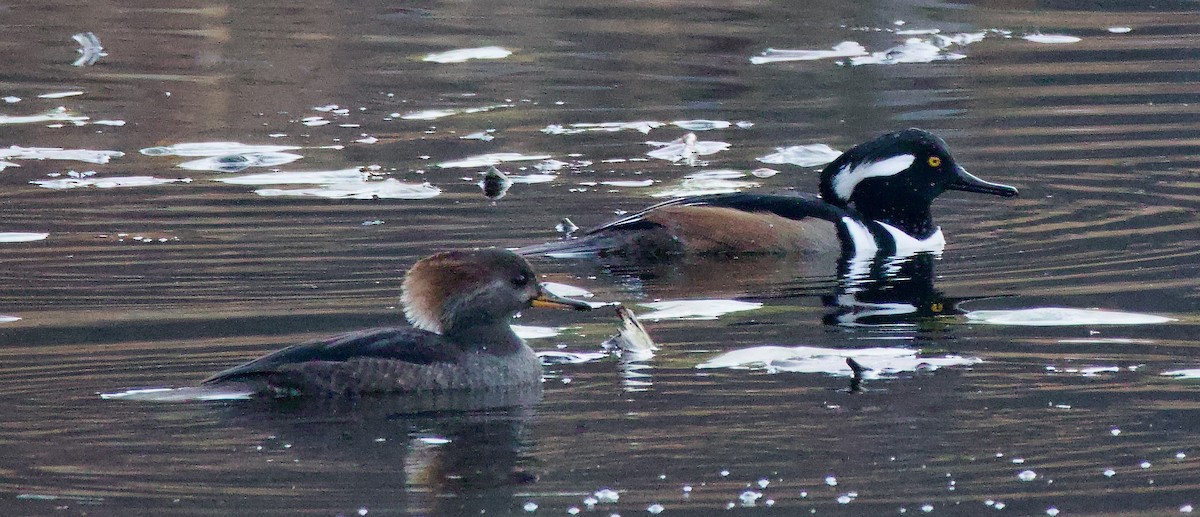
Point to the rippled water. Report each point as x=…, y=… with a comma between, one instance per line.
x=202, y=183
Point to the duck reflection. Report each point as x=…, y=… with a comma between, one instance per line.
x=888, y=291
x=879, y=291
x=454, y=454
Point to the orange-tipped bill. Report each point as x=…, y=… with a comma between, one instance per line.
x=547, y=300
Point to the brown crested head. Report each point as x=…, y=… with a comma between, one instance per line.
x=456, y=289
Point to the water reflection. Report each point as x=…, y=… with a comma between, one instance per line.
x=888, y=291
x=407, y=458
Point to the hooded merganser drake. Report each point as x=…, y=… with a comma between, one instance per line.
x=874, y=200
x=460, y=303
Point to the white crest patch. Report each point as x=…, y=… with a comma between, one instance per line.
x=850, y=176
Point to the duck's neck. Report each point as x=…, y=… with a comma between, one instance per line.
x=915, y=220
x=494, y=338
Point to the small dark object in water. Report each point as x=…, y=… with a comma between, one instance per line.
x=495, y=184
x=857, y=378
x=566, y=227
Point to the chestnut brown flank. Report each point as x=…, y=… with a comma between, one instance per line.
x=706, y=229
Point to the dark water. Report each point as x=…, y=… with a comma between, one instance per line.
x=159, y=285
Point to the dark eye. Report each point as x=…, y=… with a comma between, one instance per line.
x=520, y=280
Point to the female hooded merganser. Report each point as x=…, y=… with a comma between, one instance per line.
x=460, y=303
x=875, y=199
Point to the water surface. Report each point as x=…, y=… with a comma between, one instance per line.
x=227, y=179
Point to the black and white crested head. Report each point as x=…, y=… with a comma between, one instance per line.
x=911, y=166
x=894, y=178
x=453, y=290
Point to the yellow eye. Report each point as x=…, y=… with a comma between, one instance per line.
x=934, y=161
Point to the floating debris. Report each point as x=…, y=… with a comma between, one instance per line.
x=632, y=342
x=90, y=50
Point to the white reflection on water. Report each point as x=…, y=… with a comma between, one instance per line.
x=802, y=155
x=214, y=149
x=390, y=188
x=561, y=357
x=58, y=153
x=484, y=160
x=90, y=50
x=60, y=95
x=913, y=50
x=709, y=309
x=628, y=183
x=1062, y=316
x=931, y=47
x=8, y=319
x=535, y=332
x=641, y=126
x=239, y=162
x=304, y=177
x=843, y=49
x=465, y=54
x=114, y=182
x=59, y=114
x=1189, y=374
x=435, y=114
x=351, y=183
x=186, y=394
x=685, y=149
x=881, y=361
x=701, y=125
x=22, y=236
x=1051, y=38
x=565, y=290
x=717, y=181
x=1089, y=371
